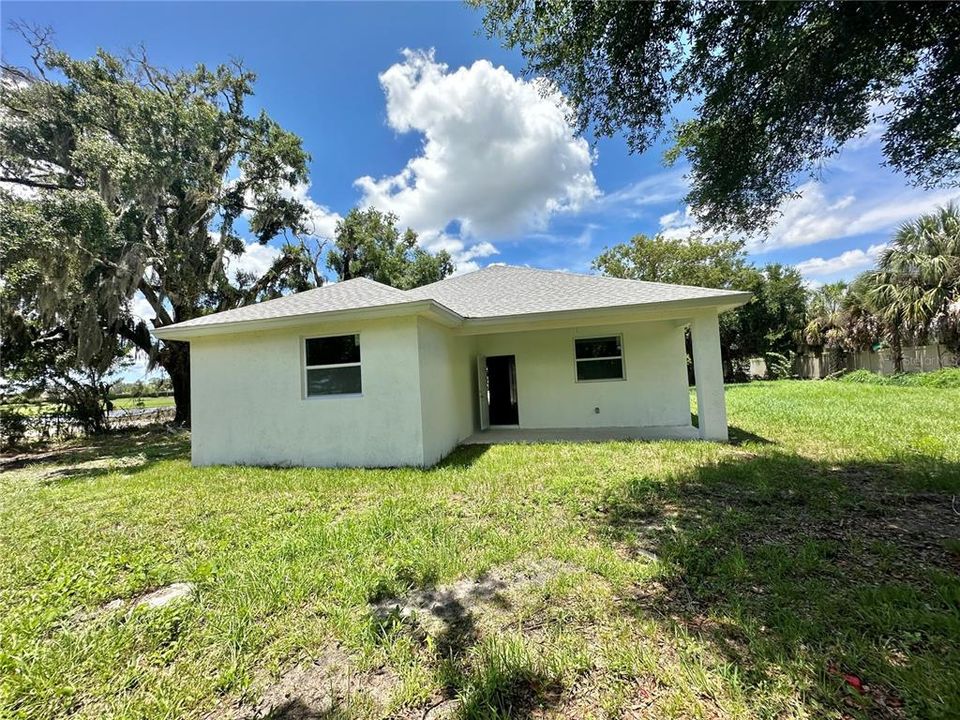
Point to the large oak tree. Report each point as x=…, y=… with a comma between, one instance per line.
x=776, y=88
x=121, y=179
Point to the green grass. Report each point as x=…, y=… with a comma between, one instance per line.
x=700, y=580
x=146, y=402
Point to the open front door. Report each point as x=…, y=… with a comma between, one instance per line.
x=502, y=407
x=482, y=392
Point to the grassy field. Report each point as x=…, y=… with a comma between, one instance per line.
x=125, y=403
x=808, y=570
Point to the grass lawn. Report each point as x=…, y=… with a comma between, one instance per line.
x=808, y=570
x=147, y=402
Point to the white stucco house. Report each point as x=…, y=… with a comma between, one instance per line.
x=361, y=374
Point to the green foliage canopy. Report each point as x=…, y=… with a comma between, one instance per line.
x=915, y=289
x=369, y=244
x=693, y=261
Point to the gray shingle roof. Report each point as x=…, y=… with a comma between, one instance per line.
x=348, y=295
x=495, y=291
x=501, y=290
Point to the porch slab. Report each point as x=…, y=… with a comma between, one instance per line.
x=497, y=436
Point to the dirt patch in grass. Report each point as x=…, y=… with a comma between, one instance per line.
x=90, y=468
x=920, y=525
x=853, y=505
x=58, y=455
x=454, y=614
x=329, y=686
x=759, y=554
x=909, y=517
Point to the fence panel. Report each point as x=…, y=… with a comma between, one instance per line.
x=922, y=358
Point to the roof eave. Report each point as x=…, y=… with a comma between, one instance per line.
x=430, y=308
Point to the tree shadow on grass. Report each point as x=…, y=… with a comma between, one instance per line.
x=838, y=578
x=297, y=709
x=511, y=692
x=122, y=451
x=739, y=436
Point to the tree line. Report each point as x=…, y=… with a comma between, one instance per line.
x=912, y=296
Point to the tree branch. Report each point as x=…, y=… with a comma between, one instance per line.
x=151, y=295
x=38, y=184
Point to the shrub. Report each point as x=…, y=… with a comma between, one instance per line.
x=944, y=378
x=779, y=366
x=862, y=376
x=13, y=428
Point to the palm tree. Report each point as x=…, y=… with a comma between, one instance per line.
x=825, y=316
x=861, y=326
x=917, y=281
x=826, y=323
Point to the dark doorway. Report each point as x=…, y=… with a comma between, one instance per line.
x=502, y=386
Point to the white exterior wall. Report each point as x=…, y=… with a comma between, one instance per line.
x=420, y=391
x=448, y=382
x=654, y=392
x=248, y=403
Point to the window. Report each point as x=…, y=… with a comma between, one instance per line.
x=332, y=365
x=599, y=358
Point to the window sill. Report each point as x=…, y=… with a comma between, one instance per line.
x=337, y=396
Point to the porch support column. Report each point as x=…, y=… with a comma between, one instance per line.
x=708, y=374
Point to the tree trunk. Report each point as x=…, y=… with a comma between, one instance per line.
x=176, y=362
x=896, y=346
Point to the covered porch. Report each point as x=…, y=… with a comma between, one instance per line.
x=531, y=386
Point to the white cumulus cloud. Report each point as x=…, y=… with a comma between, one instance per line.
x=498, y=154
x=321, y=221
x=846, y=263
x=464, y=258
x=255, y=259
x=819, y=215
x=815, y=216
x=680, y=225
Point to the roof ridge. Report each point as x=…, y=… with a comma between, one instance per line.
x=365, y=279
x=592, y=276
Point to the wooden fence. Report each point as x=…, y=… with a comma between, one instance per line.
x=922, y=358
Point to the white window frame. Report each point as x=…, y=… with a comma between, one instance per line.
x=621, y=357
x=303, y=364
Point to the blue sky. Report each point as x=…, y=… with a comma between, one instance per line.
x=410, y=107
